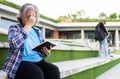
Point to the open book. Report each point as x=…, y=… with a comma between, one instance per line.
x=46, y=43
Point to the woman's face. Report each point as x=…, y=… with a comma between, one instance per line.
x=27, y=15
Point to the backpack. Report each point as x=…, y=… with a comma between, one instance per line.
x=99, y=33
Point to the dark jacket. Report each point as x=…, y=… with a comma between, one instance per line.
x=103, y=27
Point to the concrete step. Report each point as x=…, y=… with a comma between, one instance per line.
x=68, y=68
x=71, y=67
x=3, y=75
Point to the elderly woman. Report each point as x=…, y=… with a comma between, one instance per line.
x=22, y=62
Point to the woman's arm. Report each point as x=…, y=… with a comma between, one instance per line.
x=16, y=36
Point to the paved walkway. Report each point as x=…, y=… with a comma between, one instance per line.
x=113, y=73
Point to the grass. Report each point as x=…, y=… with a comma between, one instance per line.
x=75, y=45
x=3, y=54
x=63, y=55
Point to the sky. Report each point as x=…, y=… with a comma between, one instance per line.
x=56, y=8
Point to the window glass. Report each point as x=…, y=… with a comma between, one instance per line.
x=5, y=23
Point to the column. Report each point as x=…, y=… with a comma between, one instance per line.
x=0, y=20
x=117, y=39
x=82, y=34
x=43, y=32
x=55, y=34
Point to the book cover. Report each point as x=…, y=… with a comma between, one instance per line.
x=46, y=43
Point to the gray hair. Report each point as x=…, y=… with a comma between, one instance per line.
x=24, y=8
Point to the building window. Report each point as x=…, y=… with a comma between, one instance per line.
x=5, y=23
x=119, y=38
x=90, y=35
x=111, y=37
x=70, y=34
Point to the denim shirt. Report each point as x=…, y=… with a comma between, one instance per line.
x=16, y=37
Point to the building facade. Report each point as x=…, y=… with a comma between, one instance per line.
x=51, y=30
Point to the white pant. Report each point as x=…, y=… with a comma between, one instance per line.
x=103, y=48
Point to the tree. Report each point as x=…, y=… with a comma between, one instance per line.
x=102, y=15
x=119, y=16
x=74, y=17
x=113, y=15
x=81, y=13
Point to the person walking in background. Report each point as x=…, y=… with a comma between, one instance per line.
x=103, y=44
x=22, y=62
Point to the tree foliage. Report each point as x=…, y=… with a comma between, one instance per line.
x=102, y=15
x=113, y=15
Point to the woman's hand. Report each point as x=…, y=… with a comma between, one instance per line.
x=31, y=20
x=29, y=23
x=45, y=50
